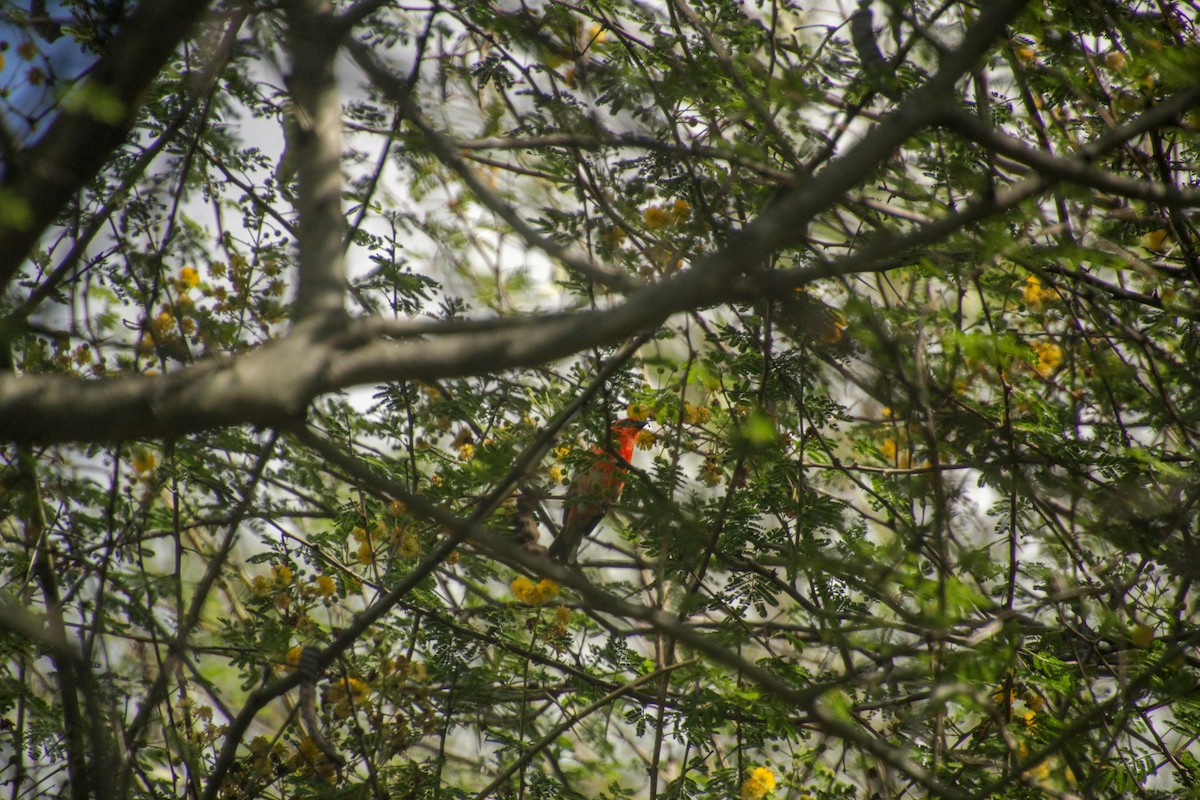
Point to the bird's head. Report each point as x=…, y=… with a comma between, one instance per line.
x=625, y=431
x=628, y=426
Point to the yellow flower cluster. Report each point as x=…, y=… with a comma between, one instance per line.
x=760, y=783
x=1035, y=295
x=896, y=453
x=408, y=545
x=144, y=463
x=1049, y=357
x=366, y=551
x=281, y=577
x=645, y=440
x=266, y=756
x=189, y=278
x=405, y=540
x=534, y=594
x=347, y=695
x=562, y=619
x=659, y=217
x=612, y=236
x=696, y=415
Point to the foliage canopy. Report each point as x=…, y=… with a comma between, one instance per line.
x=311, y=310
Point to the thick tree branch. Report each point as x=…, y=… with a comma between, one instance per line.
x=316, y=144
x=274, y=384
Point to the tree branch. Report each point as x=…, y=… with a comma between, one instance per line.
x=274, y=384
x=316, y=144
x=1080, y=170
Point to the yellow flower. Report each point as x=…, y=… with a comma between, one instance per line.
x=365, y=553
x=596, y=34
x=293, y=655
x=562, y=616
x=680, y=210
x=888, y=448
x=639, y=411
x=466, y=452
x=760, y=783
x=348, y=694
x=396, y=508
x=521, y=587
x=144, y=462
x=1049, y=357
x=556, y=474
x=710, y=472
x=645, y=440
x=695, y=415
x=164, y=321
x=613, y=236
x=189, y=278
x=656, y=217
x=359, y=690
x=547, y=589
x=1034, y=295
x=409, y=546
x=325, y=586
x=532, y=594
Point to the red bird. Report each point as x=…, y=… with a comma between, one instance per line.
x=594, y=490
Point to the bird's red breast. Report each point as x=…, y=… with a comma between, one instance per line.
x=593, y=493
